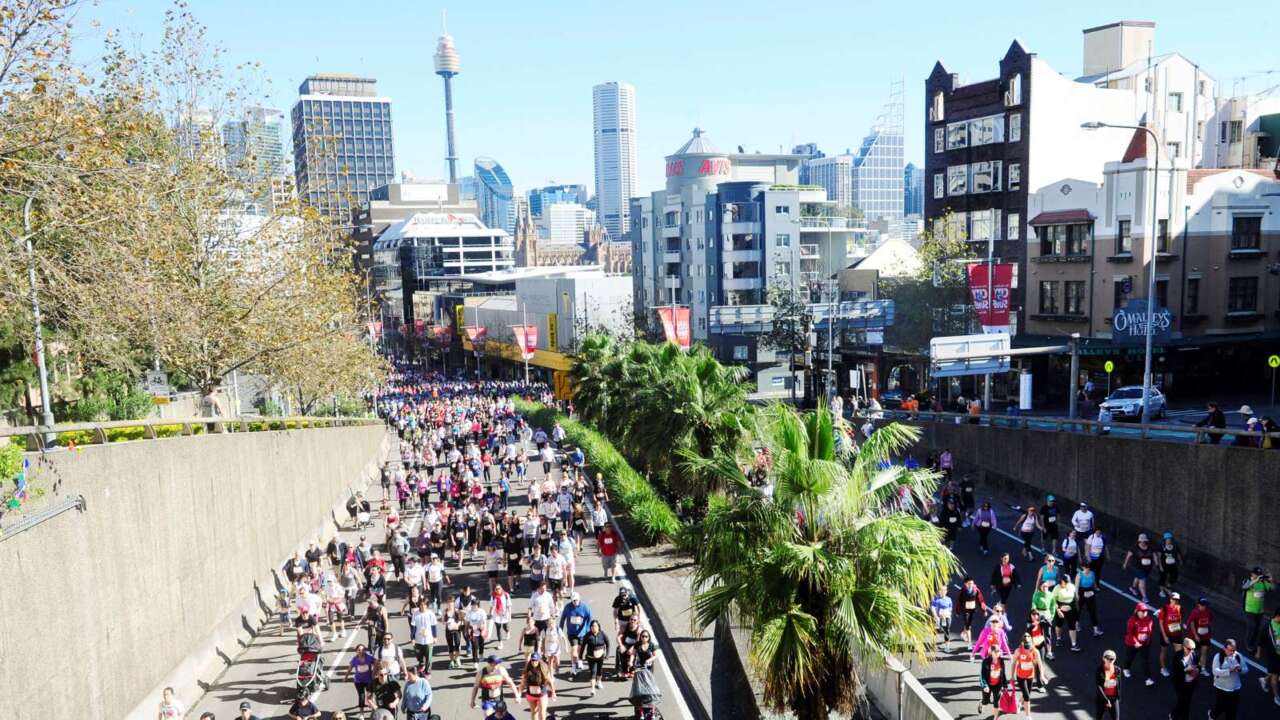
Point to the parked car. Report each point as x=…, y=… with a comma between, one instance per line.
x=892, y=399
x=1126, y=403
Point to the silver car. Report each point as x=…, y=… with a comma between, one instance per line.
x=1126, y=403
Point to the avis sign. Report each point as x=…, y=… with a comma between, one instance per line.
x=709, y=166
x=1129, y=323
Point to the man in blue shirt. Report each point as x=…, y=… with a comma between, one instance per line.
x=417, y=694
x=575, y=621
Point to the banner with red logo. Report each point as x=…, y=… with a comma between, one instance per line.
x=478, y=337
x=994, y=316
x=526, y=338
x=375, y=329
x=675, y=324
x=442, y=332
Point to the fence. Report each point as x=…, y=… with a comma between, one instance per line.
x=1170, y=433
x=41, y=438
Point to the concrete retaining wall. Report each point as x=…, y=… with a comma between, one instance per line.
x=1219, y=501
x=169, y=570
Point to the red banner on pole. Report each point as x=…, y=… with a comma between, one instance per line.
x=526, y=338
x=375, y=329
x=675, y=324
x=478, y=336
x=994, y=316
x=442, y=332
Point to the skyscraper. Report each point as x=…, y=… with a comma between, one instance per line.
x=877, y=167
x=613, y=106
x=447, y=67
x=254, y=147
x=495, y=195
x=540, y=198
x=342, y=143
x=834, y=174
x=912, y=190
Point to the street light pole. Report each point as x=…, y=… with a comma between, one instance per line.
x=1151, y=262
x=46, y=402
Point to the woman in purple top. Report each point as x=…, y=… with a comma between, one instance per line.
x=984, y=519
x=360, y=672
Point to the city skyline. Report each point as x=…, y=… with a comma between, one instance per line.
x=548, y=81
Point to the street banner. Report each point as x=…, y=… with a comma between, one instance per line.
x=526, y=338
x=675, y=324
x=478, y=336
x=441, y=332
x=375, y=329
x=993, y=316
x=419, y=327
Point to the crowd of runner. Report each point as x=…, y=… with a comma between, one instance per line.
x=1164, y=631
x=462, y=469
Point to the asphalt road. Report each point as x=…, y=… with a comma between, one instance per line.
x=264, y=673
x=1070, y=687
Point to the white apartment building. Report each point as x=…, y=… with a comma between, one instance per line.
x=835, y=175
x=564, y=224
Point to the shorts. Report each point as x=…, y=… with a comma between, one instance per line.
x=542, y=625
x=1271, y=660
x=1024, y=687
x=610, y=563
x=1175, y=639
x=493, y=574
x=554, y=584
x=453, y=639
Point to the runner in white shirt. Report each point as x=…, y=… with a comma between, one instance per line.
x=423, y=620
x=415, y=574
x=542, y=606
x=1082, y=520
x=555, y=568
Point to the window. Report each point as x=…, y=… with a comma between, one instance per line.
x=1204, y=88
x=1222, y=132
x=1119, y=296
x=1124, y=237
x=939, y=186
x=1242, y=294
x=1048, y=297
x=1237, y=130
x=936, y=111
x=1013, y=96
x=939, y=139
x=1015, y=127
x=1015, y=227
x=671, y=219
x=782, y=240
x=982, y=228
x=957, y=179
x=1175, y=150
x=781, y=210
x=1175, y=102
x=957, y=135
x=1064, y=239
x=1015, y=176
x=1191, y=301
x=980, y=177
x=702, y=323
x=1162, y=236
x=1073, y=297
x=986, y=130
x=740, y=352
x=1162, y=293
x=702, y=296
x=1200, y=130
x=1246, y=233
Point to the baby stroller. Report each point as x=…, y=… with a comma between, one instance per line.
x=645, y=695
x=311, y=675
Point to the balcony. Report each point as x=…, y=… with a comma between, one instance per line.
x=749, y=269
x=743, y=241
x=671, y=257
x=741, y=213
x=741, y=256
x=826, y=223
x=672, y=247
x=749, y=283
x=670, y=281
x=671, y=231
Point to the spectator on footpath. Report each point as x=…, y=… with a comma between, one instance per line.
x=1255, y=588
x=1215, y=420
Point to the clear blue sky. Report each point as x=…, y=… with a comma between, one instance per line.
x=759, y=74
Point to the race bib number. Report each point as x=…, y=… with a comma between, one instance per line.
x=985, y=524
x=1027, y=667
x=952, y=519
x=970, y=604
x=1142, y=637
x=513, y=556
x=1260, y=594
x=1170, y=560
x=1006, y=579
x=575, y=620
x=597, y=652
x=608, y=541
x=1088, y=593
x=1109, y=683
x=1202, y=631
x=1146, y=561
x=1175, y=627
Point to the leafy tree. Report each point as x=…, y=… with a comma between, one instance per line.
x=105, y=395
x=828, y=572
x=790, y=330
x=929, y=300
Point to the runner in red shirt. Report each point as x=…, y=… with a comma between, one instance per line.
x=1137, y=640
x=1200, y=622
x=609, y=552
x=1172, y=629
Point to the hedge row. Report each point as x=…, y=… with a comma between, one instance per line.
x=644, y=507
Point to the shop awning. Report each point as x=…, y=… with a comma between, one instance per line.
x=1062, y=217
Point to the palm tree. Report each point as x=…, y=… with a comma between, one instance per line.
x=590, y=383
x=831, y=570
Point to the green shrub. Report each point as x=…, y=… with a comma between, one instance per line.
x=644, y=507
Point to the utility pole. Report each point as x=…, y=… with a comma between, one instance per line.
x=1072, y=402
x=524, y=320
x=46, y=402
x=831, y=331
x=991, y=308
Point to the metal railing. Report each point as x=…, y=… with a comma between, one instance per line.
x=105, y=433
x=1172, y=433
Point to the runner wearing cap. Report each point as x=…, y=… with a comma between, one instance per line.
x=1143, y=557
x=1172, y=629
x=1200, y=622
x=245, y=713
x=490, y=679
x=1137, y=640
x=1107, y=701
x=1170, y=560
x=1082, y=520
x=538, y=685
x=1050, y=516
x=575, y=620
